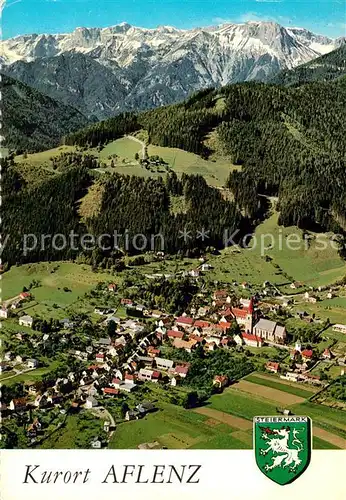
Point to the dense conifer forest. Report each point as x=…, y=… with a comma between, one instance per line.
x=288, y=140
x=137, y=209
x=290, y=143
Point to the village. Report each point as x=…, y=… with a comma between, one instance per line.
x=119, y=356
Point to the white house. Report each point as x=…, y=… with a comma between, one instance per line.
x=32, y=363
x=339, y=328
x=26, y=321
x=4, y=312
x=238, y=340
x=91, y=402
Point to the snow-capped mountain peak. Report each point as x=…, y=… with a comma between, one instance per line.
x=160, y=65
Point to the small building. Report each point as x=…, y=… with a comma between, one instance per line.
x=96, y=443
x=238, y=339
x=32, y=363
x=163, y=364
x=4, y=312
x=110, y=391
x=184, y=321
x=174, y=334
x=252, y=340
x=26, y=321
x=272, y=366
x=307, y=355
x=339, y=328
x=112, y=287
x=148, y=375
x=327, y=354
x=181, y=370
x=19, y=404
x=91, y=402
x=220, y=381
x=188, y=345
x=100, y=357
x=132, y=415
x=116, y=383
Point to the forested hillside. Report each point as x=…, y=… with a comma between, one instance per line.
x=33, y=121
x=138, y=209
x=290, y=142
x=323, y=69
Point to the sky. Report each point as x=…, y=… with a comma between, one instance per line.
x=19, y=17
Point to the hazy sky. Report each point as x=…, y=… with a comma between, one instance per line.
x=59, y=16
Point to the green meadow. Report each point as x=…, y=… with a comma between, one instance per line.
x=280, y=255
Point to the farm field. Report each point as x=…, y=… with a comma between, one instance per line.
x=312, y=266
x=280, y=397
x=329, y=424
x=173, y=427
x=276, y=383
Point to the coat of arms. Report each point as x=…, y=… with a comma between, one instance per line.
x=282, y=446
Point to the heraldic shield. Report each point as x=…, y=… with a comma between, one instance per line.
x=282, y=446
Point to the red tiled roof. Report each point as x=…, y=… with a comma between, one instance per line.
x=249, y=336
x=155, y=374
x=195, y=337
x=110, y=390
x=240, y=313
x=181, y=369
x=185, y=320
x=226, y=312
x=174, y=334
x=201, y=324
x=307, y=353
x=224, y=325
x=116, y=381
x=272, y=364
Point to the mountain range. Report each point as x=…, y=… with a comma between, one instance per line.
x=105, y=71
x=325, y=68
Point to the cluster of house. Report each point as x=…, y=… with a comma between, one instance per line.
x=14, y=304
x=303, y=361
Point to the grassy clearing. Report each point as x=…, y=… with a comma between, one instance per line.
x=327, y=418
x=321, y=444
x=311, y=265
x=215, y=172
x=32, y=375
x=172, y=426
x=53, y=277
x=241, y=405
x=77, y=432
x=43, y=157
x=124, y=148
x=297, y=391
